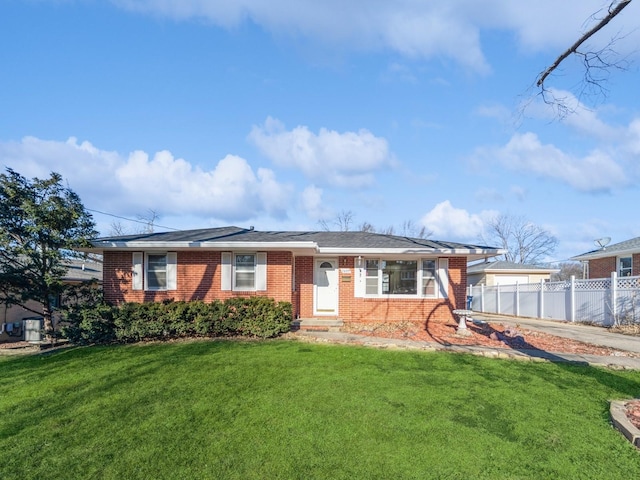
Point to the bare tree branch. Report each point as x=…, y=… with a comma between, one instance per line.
x=524, y=241
x=612, y=12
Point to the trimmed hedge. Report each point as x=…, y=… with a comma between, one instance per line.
x=133, y=322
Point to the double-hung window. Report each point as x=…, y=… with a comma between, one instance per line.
x=429, y=278
x=154, y=271
x=157, y=272
x=625, y=266
x=244, y=271
x=244, y=277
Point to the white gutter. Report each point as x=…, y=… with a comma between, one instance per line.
x=409, y=251
x=604, y=253
x=217, y=245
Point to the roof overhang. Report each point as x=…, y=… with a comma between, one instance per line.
x=298, y=248
x=470, y=253
x=101, y=246
x=604, y=253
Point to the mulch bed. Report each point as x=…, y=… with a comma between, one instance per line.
x=485, y=334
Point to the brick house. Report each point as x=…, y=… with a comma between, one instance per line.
x=352, y=276
x=622, y=258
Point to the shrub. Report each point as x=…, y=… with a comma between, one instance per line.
x=89, y=324
x=263, y=317
x=133, y=322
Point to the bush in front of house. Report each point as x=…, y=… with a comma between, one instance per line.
x=133, y=322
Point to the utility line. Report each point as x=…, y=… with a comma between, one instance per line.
x=130, y=219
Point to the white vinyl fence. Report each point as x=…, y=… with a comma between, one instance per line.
x=604, y=301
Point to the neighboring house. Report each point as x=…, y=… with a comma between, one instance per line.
x=12, y=328
x=506, y=273
x=352, y=276
x=622, y=258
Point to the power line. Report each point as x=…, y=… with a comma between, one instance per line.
x=131, y=219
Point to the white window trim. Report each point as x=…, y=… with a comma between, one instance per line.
x=619, y=269
x=170, y=271
x=441, y=279
x=228, y=272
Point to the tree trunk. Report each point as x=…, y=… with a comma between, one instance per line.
x=48, y=325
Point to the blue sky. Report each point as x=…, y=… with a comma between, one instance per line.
x=282, y=114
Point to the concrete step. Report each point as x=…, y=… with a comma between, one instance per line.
x=317, y=324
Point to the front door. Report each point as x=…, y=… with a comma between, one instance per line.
x=326, y=287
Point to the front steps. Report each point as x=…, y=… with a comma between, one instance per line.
x=316, y=325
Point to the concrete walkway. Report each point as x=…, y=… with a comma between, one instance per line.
x=583, y=333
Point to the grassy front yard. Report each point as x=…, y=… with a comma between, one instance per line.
x=280, y=409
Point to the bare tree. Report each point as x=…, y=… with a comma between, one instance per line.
x=146, y=224
x=410, y=229
x=342, y=221
x=597, y=63
x=117, y=229
x=367, y=227
x=148, y=221
x=567, y=270
x=524, y=241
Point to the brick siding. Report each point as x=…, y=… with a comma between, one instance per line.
x=602, y=267
x=199, y=278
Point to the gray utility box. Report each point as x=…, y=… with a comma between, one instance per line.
x=33, y=329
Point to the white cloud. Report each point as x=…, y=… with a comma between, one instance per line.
x=313, y=204
x=446, y=221
x=346, y=159
x=597, y=171
x=434, y=29
x=131, y=185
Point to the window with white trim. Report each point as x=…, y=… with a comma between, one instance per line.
x=400, y=277
x=158, y=272
x=244, y=271
x=429, y=270
x=625, y=266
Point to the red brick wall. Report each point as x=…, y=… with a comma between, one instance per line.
x=303, y=305
x=351, y=309
x=198, y=278
x=602, y=267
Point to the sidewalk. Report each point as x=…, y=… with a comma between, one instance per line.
x=583, y=333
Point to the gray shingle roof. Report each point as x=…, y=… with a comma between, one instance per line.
x=502, y=265
x=628, y=247
x=79, y=271
x=322, y=239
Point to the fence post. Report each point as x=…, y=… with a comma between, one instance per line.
x=498, y=299
x=517, y=299
x=614, y=297
x=482, y=298
x=541, y=315
x=572, y=299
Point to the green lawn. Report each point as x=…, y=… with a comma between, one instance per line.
x=281, y=409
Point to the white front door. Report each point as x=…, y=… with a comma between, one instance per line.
x=326, y=287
